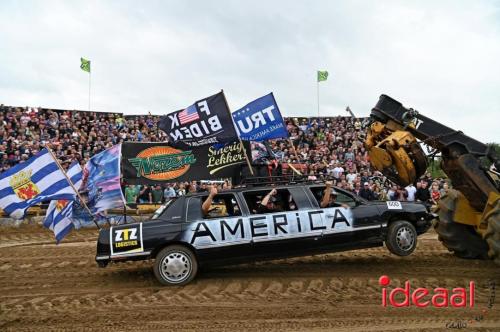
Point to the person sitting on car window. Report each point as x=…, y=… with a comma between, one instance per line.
x=291, y=204
x=268, y=203
x=205, y=207
x=330, y=196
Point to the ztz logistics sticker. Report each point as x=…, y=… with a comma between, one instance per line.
x=126, y=240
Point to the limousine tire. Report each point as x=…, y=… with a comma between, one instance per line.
x=401, y=238
x=175, y=265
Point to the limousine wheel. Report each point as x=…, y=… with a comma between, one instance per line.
x=401, y=238
x=175, y=265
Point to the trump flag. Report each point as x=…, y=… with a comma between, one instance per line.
x=260, y=120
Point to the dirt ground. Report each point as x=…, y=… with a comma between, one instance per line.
x=47, y=287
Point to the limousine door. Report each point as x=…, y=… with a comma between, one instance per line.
x=221, y=237
x=288, y=233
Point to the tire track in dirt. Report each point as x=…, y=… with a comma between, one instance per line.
x=48, y=287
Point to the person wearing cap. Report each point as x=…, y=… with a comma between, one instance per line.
x=366, y=192
x=329, y=197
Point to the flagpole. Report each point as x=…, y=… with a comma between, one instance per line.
x=294, y=150
x=90, y=74
x=239, y=138
x=317, y=90
x=72, y=185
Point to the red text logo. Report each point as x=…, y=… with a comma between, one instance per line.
x=438, y=297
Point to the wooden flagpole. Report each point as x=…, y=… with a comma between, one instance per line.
x=241, y=143
x=72, y=185
x=294, y=150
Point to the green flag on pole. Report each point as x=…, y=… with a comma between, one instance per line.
x=86, y=65
x=322, y=75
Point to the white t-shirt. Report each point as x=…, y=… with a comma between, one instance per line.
x=337, y=172
x=411, y=190
x=351, y=177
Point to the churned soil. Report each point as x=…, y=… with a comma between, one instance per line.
x=48, y=287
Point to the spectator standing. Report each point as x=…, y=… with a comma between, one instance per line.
x=131, y=193
x=392, y=193
x=411, y=191
x=401, y=194
x=338, y=171
x=423, y=194
x=169, y=192
x=365, y=177
x=435, y=194
x=351, y=176
x=157, y=194
x=145, y=195
x=182, y=189
x=349, y=155
x=445, y=189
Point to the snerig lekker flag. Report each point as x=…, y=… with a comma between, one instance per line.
x=85, y=65
x=322, y=75
x=207, y=121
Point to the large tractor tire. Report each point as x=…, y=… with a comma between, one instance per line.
x=492, y=235
x=460, y=239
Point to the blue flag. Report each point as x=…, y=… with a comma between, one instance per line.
x=260, y=120
x=59, y=214
x=36, y=180
x=101, y=180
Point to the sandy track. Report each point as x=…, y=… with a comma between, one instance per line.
x=47, y=287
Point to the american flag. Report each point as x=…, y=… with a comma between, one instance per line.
x=188, y=115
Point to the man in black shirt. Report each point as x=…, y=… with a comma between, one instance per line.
x=366, y=192
x=145, y=195
x=423, y=194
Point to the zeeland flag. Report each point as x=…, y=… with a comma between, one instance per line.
x=207, y=121
x=101, y=180
x=260, y=120
x=59, y=214
x=36, y=180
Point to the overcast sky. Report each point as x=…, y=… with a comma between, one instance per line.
x=439, y=57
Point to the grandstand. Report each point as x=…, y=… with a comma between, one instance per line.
x=322, y=146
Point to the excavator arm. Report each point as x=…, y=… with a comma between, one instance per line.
x=393, y=149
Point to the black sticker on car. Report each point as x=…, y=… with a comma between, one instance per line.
x=126, y=240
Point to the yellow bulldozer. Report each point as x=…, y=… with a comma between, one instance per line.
x=468, y=222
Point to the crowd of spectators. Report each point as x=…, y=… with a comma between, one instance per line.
x=329, y=147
